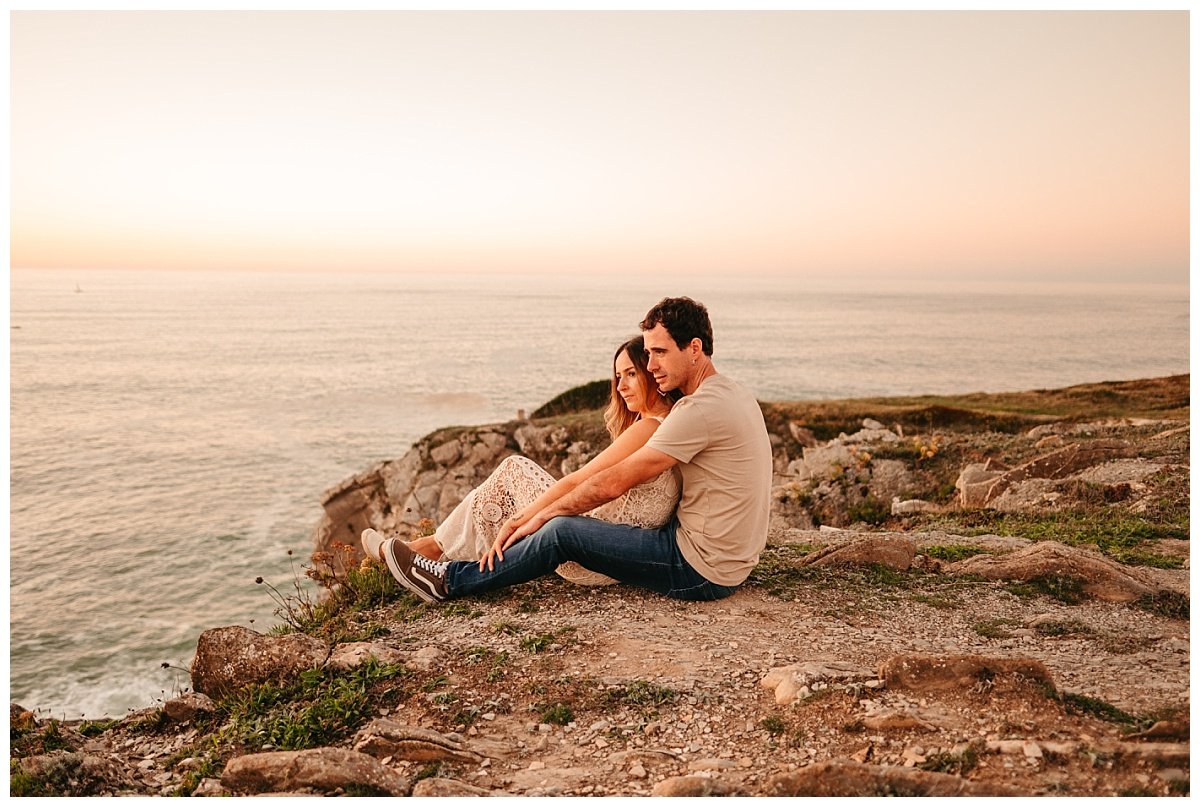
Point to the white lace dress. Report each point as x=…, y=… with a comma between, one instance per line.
x=471, y=528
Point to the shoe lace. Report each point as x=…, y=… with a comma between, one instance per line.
x=436, y=568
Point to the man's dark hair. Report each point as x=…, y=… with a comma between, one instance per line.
x=685, y=319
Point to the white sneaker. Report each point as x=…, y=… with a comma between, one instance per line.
x=371, y=544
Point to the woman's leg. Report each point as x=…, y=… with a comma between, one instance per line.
x=471, y=528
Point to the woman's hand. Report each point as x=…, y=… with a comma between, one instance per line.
x=510, y=533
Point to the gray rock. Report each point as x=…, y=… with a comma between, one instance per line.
x=425, y=658
x=348, y=655
x=390, y=738
x=676, y=786
x=868, y=435
x=910, y=506
x=540, y=440
x=188, y=705
x=888, y=478
x=1102, y=578
x=890, y=549
x=435, y=786
x=324, y=770
x=975, y=482
x=978, y=486
x=447, y=453
x=71, y=773
x=209, y=787
x=230, y=658
x=828, y=461
x=842, y=777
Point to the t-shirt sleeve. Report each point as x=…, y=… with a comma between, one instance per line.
x=684, y=433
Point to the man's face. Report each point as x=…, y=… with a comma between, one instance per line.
x=667, y=363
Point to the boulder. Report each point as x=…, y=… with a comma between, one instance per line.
x=72, y=773
x=796, y=680
x=188, y=706
x=911, y=506
x=323, y=770
x=944, y=673
x=447, y=453
x=975, y=482
x=354, y=654
x=230, y=658
x=888, y=478
x=436, y=786
x=978, y=484
x=829, y=461
x=842, y=777
x=693, y=786
x=350, y=507
x=1028, y=495
x=534, y=440
x=389, y=738
x=1101, y=577
x=394, y=497
x=889, y=549
x=873, y=434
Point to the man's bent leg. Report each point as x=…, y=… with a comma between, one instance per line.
x=648, y=558
x=526, y=560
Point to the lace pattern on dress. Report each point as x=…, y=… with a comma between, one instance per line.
x=648, y=505
x=515, y=483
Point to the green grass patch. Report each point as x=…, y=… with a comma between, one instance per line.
x=558, y=714
x=952, y=553
x=27, y=740
x=320, y=708
x=936, y=601
x=994, y=628
x=92, y=728
x=1063, y=588
x=869, y=511
x=957, y=764
x=22, y=784
x=429, y=771
x=1067, y=627
x=1166, y=603
x=536, y=644
x=1101, y=709
x=1123, y=536
x=210, y=767
x=773, y=724
x=640, y=693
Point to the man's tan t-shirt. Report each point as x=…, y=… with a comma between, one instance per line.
x=720, y=440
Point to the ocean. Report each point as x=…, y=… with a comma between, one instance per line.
x=172, y=432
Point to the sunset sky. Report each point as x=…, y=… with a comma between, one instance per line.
x=1015, y=145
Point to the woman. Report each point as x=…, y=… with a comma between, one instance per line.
x=519, y=488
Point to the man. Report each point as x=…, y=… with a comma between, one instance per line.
x=717, y=437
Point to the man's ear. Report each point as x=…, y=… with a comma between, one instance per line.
x=696, y=345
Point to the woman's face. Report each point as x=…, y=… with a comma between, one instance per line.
x=629, y=382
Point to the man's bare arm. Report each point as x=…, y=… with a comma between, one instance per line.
x=645, y=463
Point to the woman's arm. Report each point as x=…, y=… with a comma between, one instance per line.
x=643, y=464
x=626, y=443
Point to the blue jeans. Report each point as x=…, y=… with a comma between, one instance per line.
x=645, y=558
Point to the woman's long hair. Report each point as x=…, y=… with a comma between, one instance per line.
x=617, y=417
